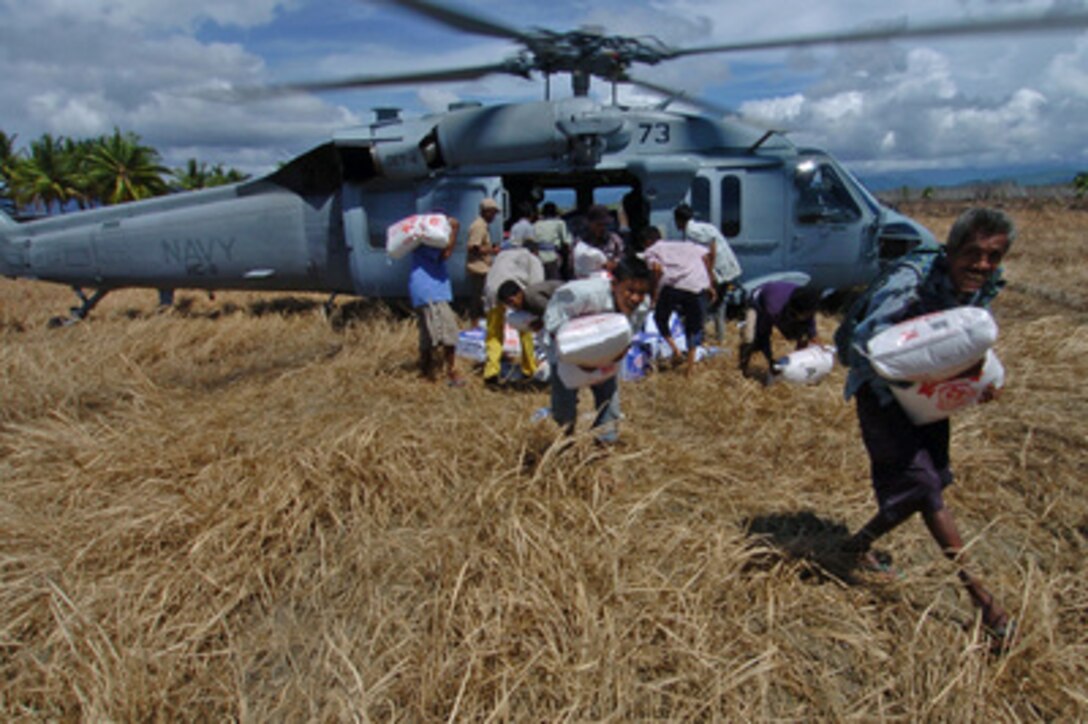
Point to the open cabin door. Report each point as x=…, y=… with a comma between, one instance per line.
x=369, y=210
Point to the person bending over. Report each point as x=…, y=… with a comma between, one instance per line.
x=624, y=293
x=789, y=308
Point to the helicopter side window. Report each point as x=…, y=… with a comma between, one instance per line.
x=700, y=197
x=822, y=196
x=730, y=206
x=384, y=209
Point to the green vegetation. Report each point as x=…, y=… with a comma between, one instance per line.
x=54, y=172
x=197, y=175
x=1080, y=184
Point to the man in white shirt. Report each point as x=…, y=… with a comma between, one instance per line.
x=625, y=293
x=726, y=269
x=521, y=232
x=552, y=239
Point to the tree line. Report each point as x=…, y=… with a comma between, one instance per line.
x=54, y=173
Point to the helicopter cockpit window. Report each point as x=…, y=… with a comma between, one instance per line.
x=822, y=195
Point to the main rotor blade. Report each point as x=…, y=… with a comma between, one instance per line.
x=707, y=106
x=673, y=94
x=461, y=19
x=367, y=81
x=899, y=30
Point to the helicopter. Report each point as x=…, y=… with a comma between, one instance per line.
x=318, y=223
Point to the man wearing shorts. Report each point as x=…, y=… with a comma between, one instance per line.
x=431, y=293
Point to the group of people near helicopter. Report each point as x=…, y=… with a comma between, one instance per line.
x=694, y=277
x=557, y=276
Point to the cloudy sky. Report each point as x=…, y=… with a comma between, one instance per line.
x=79, y=68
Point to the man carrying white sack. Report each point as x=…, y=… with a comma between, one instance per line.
x=523, y=267
x=431, y=292
x=909, y=463
x=625, y=294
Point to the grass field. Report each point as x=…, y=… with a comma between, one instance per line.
x=238, y=511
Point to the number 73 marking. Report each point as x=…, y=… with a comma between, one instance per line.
x=654, y=132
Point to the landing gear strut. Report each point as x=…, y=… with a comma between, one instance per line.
x=78, y=313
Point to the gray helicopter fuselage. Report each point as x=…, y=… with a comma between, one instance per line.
x=233, y=237
x=318, y=223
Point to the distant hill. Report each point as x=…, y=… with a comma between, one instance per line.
x=1028, y=175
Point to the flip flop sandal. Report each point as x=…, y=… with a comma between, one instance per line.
x=1002, y=636
x=884, y=572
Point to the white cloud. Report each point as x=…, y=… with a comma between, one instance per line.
x=77, y=116
x=928, y=75
x=155, y=14
x=839, y=108
x=786, y=110
x=1067, y=73
x=79, y=68
x=438, y=99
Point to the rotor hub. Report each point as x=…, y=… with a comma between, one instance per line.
x=587, y=53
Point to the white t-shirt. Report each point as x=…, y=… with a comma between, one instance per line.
x=726, y=266
x=521, y=232
x=589, y=261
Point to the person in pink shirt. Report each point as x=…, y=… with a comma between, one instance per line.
x=682, y=273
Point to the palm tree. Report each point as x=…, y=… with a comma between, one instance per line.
x=7, y=158
x=121, y=169
x=222, y=176
x=197, y=175
x=7, y=152
x=194, y=176
x=80, y=153
x=47, y=177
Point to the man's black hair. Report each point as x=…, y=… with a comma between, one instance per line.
x=805, y=299
x=979, y=222
x=649, y=235
x=632, y=268
x=684, y=213
x=507, y=290
x=598, y=213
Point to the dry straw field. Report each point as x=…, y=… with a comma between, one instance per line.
x=237, y=510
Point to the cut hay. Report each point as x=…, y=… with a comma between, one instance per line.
x=236, y=511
